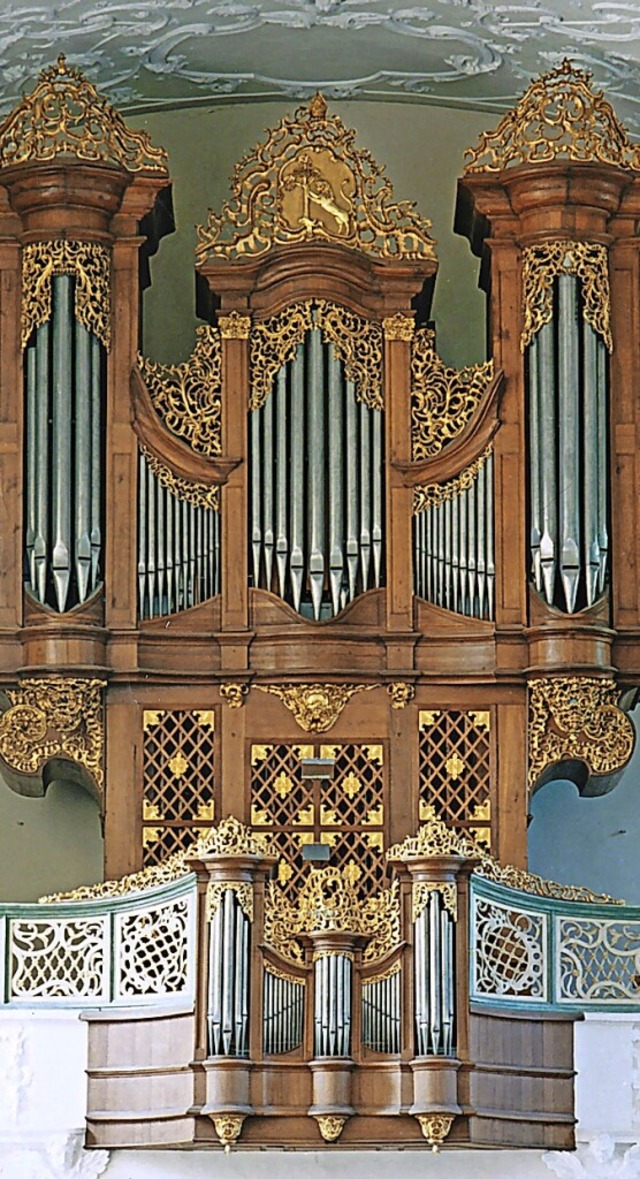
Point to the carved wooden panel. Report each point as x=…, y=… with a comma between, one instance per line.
x=455, y=769
x=178, y=779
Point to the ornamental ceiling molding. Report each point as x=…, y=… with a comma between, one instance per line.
x=54, y=718
x=577, y=718
x=307, y=182
x=316, y=707
x=559, y=116
x=65, y=116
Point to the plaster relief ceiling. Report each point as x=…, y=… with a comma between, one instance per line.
x=150, y=53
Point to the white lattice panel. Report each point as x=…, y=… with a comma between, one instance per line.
x=509, y=958
x=64, y=958
x=597, y=960
x=154, y=950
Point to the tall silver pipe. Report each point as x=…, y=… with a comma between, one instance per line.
x=352, y=473
x=470, y=503
x=186, y=580
x=296, y=564
x=448, y=983
x=483, y=525
x=335, y=1014
x=32, y=465
x=316, y=512
x=365, y=492
x=590, y=459
x=62, y=285
x=534, y=461
x=96, y=460
x=178, y=569
x=569, y=437
x=376, y=494
x=318, y=1007
x=441, y=553
x=435, y=973
x=455, y=556
x=491, y=572
x=336, y=465
x=229, y=968
x=43, y=464
x=151, y=541
x=142, y=534
x=160, y=546
x=461, y=503
x=255, y=422
x=447, y=554
x=603, y=450
x=215, y=982
x=82, y=457
x=242, y=982
x=170, y=553
x=268, y=534
x=282, y=471
x=548, y=463
x=419, y=973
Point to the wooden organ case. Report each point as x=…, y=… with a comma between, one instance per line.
x=316, y=583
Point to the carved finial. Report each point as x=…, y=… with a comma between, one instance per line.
x=62, y=63
x=318, y=106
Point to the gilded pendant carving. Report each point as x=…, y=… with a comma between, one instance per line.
x=308, y=182
x=542, y=264
x=90, y=265
x=421, y=891
x=198, y=494
x=326, y=901
x=234, y=694
x=401, y=694
x=228, y=1128
x=274, y=342
x=443, y=399
x=188, y=396
x=435, y=1128
x=577, y=718
x=399, y=327
x=560, y=115
x=65, y=115
x=54, y=718
x=215, y=894
x=429, y=495
x=330, y=1127
x=316, y=707
x=234, y=326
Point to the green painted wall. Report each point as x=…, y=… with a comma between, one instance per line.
x=48, y=844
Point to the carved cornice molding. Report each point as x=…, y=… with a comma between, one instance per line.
x=307, y=182
x=577, y=718
x=316, y=707
x=65, y=116
x=89, y=263
x=559, y=116
x=54, y=718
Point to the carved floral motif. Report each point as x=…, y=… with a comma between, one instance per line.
x=199, y=494
x=316, y=707
x=577, y=718
x=443, y=399
x=54, y=717
x=188, y=396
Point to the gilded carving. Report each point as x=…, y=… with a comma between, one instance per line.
x=51, y=718
x=316, y=707
x=372, y=979
x=234, y=326
x=357, y=343
x=90, y=265
x=430, y=495
x=228, y=1128
x=401, y=694
x=435, y=1128
x=542, y=264
x=560, y=115
x=443, y=399
x=328, y=900
x=330, y=1127
x=434, y=838
x=307, y=182
x=188, y=396
x=399, y=327
x=234, y=694
x=198, y=494
x=215, y=894
x=65, y=115
x=421, y=891
x=231, y=838
x=577, y=718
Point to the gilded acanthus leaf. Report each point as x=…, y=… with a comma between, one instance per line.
x=66, y=116
x=188, y=396
x=577, y=718
x=560, y=115
x=542, y=264
x=90, y=265
x=308, y=182
x=443, y=399
x=54, y=717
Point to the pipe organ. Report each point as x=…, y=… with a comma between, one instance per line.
x=314, y=580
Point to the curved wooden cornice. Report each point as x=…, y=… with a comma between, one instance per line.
x=168, y=449
x=472, y=442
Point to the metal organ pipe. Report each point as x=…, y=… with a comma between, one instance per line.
x=332, y=1007
x=381, y=1014
x=63, y=459
x=318, y=453
x=434, y=979
x=283, y=1012
x=229, y=960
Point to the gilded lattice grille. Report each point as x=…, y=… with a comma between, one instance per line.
x=347, y=811
x=455, y=769
x=178, y=780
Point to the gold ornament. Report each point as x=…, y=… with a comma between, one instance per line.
x=326, y=901
x=198, y=494
x=399, y=327
x=577, y=718
x=330, y=1127
x=308, y=182
x=542, y=264
x=316, y=707
x=234, y=694
x=421, y=891
x=231, y=838
x=215, y=894
x=65, y=115
x=560, y=115
x=435, y=839
x=90, y=265
x=443, y=399
x=430, y=495
x=228, y=1128
x=435, y=1128
x=188, y=396
x=54, y=717
x=357, y=343
x=234, y=326
x=401, y=694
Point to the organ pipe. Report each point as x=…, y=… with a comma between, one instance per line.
x=381, y=1014
x=283, y=1013
x=332, y=1007
x=229, y=959
x=434, y=979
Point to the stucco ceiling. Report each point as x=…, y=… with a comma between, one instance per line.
x=150, y=53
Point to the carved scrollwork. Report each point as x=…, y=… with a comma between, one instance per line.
x=89, y=263
x=435, y=1128
x=330, y=1126
x=197, y=494
x=215, y=893
x=559, y=115
x=577, y=719
x=188, y=396
x=421, y=891
x=54, y=717
x=228, y=1127
x=274, y=342
x=543, y=263
x=234, y=326
x=65, y=115
x=316, y=707
x=399, y=327
x=429, y=495
x=308, y=182
x=232, y=838
x=443, y=399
